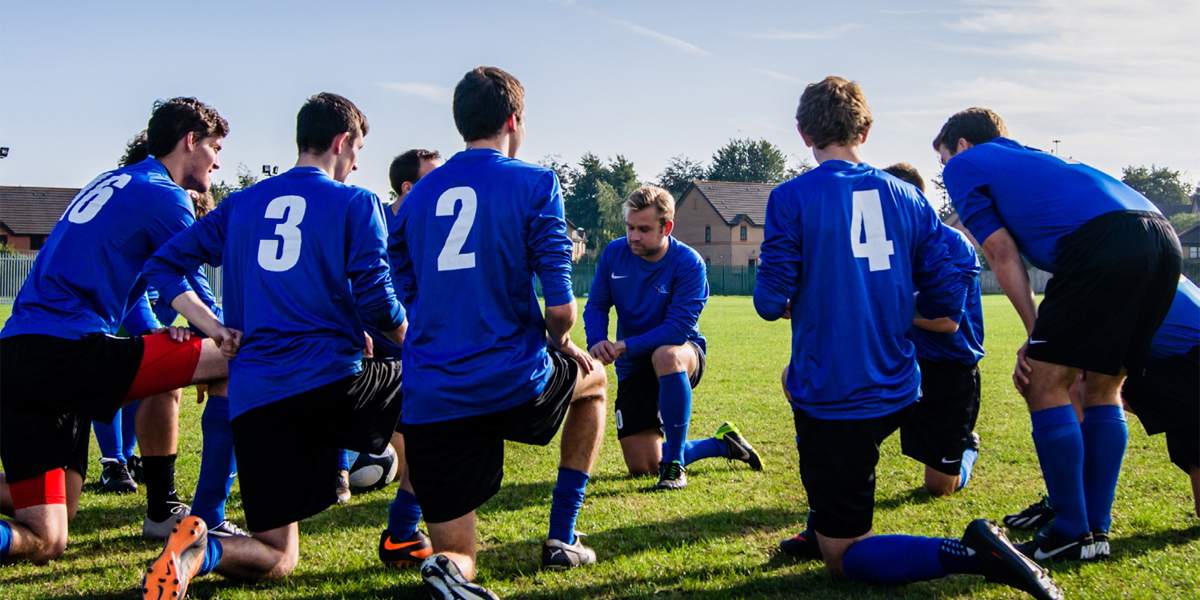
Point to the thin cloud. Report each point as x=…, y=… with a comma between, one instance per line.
x=426, y=91
x=662, y=38
x=828, y=34
x=777, y=75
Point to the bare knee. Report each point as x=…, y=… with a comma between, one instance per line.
x=670, y=359
x=591, y=387
x=938, y=483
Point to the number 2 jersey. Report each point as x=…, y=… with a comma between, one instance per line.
x=301, y=255
x=85, y=278
x=477, y=230
x=848, y=245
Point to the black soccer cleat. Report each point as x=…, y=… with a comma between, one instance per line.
x=737, y=446
x=408, y=552
x=1034, y=516
x=115, y=477
x=557, y=554
x=1047, y=545
x=1002, y=563
x=180, y=560
x=803, y=546
x=671, y=476
x=1103, y=549
x=444, y=581
x=134, y=462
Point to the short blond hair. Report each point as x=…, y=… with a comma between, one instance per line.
x=652, y=195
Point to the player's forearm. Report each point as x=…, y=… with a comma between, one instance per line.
x=189, y=305
x=942, y=325
x=595, y=325
x=559, y=321
x=397, y=334
x=1005, y=259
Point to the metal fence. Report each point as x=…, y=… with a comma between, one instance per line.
x=14, y=270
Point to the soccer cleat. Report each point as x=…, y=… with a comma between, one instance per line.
x=343, y=486
x=1034, y=516
x=557, y=554
x=974, y=442
x=1103, y=549
x=408, y=552
x=444, y=581
x=172, y=571
x=671, y=476
x=738, y=447
x=115, y=477
x=136, y=469
x=1002, y=563
x=227, y=529
x=1046, y=545
x=803, y=545
x=161, y=530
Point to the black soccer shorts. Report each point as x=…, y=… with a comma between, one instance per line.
x=1166, y=399
x=637, y=396
x=939, y=428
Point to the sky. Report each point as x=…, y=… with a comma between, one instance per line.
x=1117, y=83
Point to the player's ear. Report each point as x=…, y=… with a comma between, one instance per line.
x=512, y=122
x=963, y=144
x=668, y=227
x=190, y=140
x=340, y=142
x=863, y=139
x=405, y=187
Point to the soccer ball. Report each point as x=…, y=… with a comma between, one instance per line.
x=369, y=472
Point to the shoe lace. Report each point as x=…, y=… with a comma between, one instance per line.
x=673, y=470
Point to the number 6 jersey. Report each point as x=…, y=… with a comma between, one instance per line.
x=477, y=231
x=848, y=245
x=301, y=254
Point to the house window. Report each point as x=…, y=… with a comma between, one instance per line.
x=708, y=261
x=36, y=241
x=707, y=233
x=695, y=203
x=753, y=262
x=4, y=239
x=743, y=232
x=1193, y=251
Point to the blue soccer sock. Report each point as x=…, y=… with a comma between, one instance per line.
x=894, y=559
x=5, y=538
x=694, y=450
x=108, y=437
x=212, y=556
x=218, y=465
x=344, y=459
x=969, y=457
x=128, y=418
x=404, y=514
x=566, y=502
x=1059, y=442
x=675, y=406
x=1105, y=435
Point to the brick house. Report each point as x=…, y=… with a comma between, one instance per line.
x=723, y=221
x=1189, y=239
x=27, y=214
x=578, y=241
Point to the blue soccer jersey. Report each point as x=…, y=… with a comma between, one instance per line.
x=845, y=243
x=1180, y=331
x=1038, y=197
x=477, y=230
x=85, y=278
x=384, y=346
x=966, y=345
x=301, y=255
x=658, y=303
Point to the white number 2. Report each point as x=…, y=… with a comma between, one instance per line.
x=89, y=202
x=866, y=214
x=451, y=257
x=269, y=255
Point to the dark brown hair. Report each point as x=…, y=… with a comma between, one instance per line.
x=406, y=168
x=906, y=172
x=484, y=99
x=833, y=111
x=175, y=118
x=136, y=150
x=324, y=117
x=976, y=125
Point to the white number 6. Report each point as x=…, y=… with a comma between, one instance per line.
x=451, y=257
x=269, y=255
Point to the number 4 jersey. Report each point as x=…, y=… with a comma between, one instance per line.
x=85, y=278
x=301, y=255
x=848, y=245
x=477, y=231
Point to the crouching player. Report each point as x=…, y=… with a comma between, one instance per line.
x=60, y=334
x=659, y=288
x=302, y=253
x=845, y=248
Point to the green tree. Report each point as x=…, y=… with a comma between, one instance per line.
x=565, y=172
x=591, y=205
x=6, y=250
x=1183, y=221
x=803, y=165
x=749, y=161
x=680, y=172
x=1160, y=185
x=221, y=189
x=941, y=198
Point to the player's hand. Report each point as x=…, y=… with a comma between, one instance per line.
x=787, y=311
x=228, y=340
x=1022, y=370
x=579, y=356
x=604, y=352
x=201, y=389
x=177, y=334
x=369, y=349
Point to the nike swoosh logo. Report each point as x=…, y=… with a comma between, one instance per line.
x=1032, y=342
x=619, y=276
x=1039, y=555
x=388, y=545
x=950, y=462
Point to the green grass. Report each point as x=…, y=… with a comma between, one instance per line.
x=716, y=539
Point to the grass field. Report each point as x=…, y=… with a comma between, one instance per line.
x=716, y=539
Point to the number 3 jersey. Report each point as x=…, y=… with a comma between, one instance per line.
x=477, y=230
x=301, y=255
x=85, y=278
x=848, y=245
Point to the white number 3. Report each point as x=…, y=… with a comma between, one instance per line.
x=270, y=257
x=867, y=215
x=451, y=258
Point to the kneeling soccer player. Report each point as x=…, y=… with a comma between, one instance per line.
x=845, y=248
x=658, y=286
x=61, y=334
x=298, y=250
x=479, y=368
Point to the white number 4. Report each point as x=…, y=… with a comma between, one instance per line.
x=452, y=258
x=866, y=216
